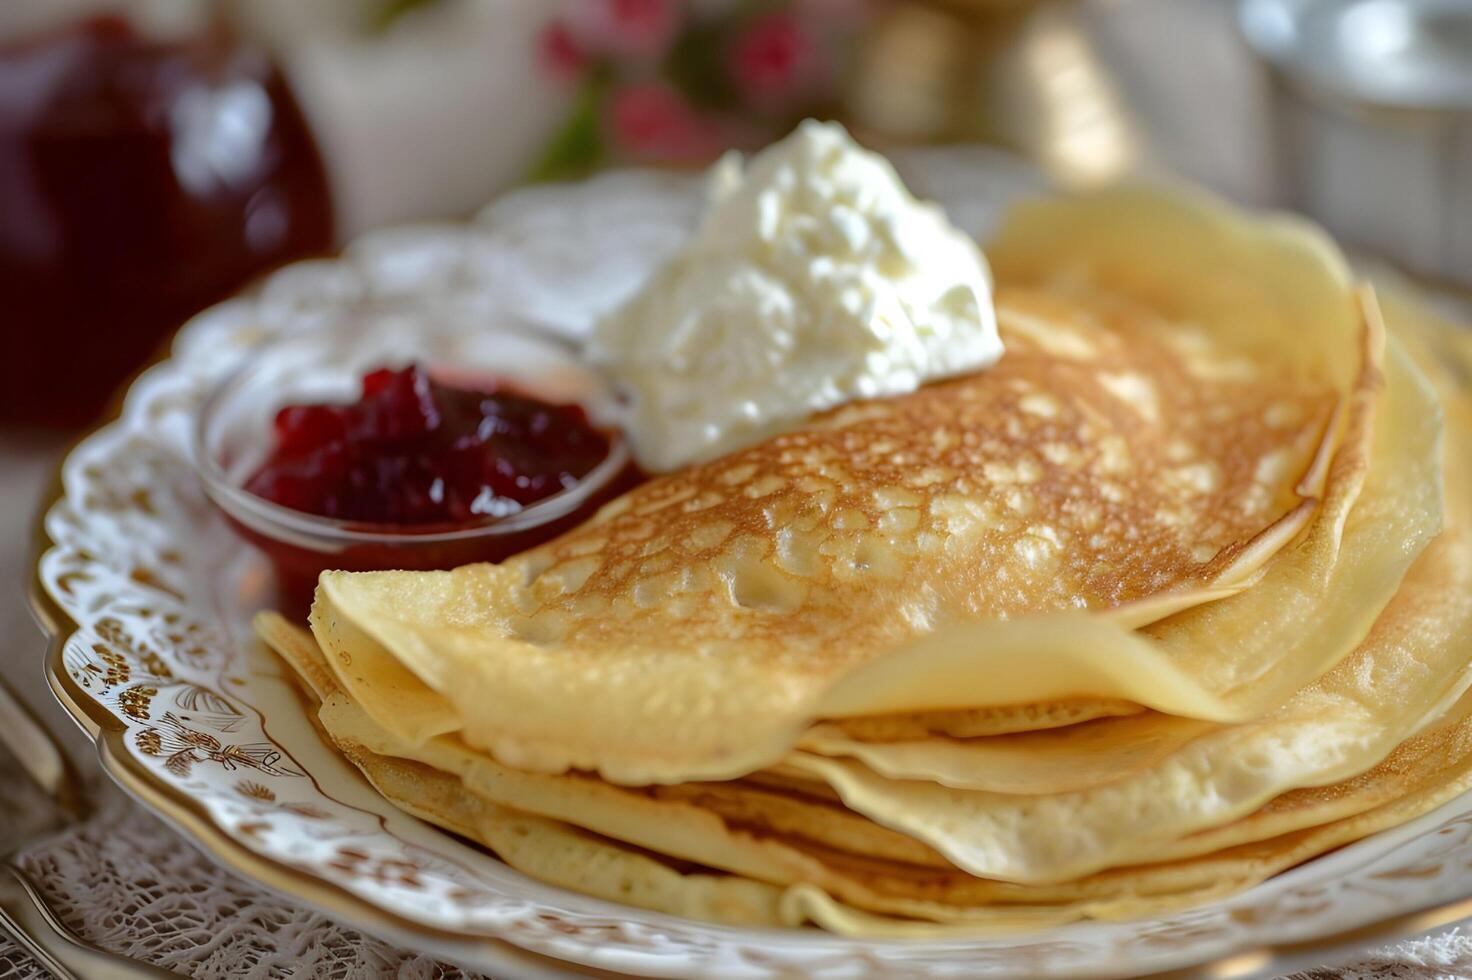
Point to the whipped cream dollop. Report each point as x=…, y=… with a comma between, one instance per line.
x=814, y=278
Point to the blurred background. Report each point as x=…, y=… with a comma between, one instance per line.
x=156, y=155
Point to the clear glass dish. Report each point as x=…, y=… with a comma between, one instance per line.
x=233, y=435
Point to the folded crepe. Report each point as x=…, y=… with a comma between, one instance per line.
x=1151, y=443
x=786, y=857
x=1176, y=596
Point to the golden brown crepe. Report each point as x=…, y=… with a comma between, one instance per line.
x=1120, y=464
x=1175, y=597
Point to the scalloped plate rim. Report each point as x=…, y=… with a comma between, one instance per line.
x=107, y=728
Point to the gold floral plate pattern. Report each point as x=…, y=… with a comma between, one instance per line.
x=148, y=595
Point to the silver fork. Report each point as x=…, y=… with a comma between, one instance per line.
x=24, y=914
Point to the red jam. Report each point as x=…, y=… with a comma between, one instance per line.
x=416, y=452
x=414, y=457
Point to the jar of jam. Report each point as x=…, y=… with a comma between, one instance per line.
x=141, y=180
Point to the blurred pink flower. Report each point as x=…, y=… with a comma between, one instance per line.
x=775, y=59
x=647, y=93
x=560, y=53
x=632, y=28
x=652, y=121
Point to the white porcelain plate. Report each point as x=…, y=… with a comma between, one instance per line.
x=150, y=596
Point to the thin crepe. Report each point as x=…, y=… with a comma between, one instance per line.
x=694, y=627
x=1080, y=756
x=1421, y=773
x=1345, y=722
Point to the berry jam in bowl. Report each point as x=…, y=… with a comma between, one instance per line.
x=389, y=446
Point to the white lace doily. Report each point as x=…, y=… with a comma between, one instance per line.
x=124, y=881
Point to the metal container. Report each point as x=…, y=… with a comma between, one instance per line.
x=1373, y=115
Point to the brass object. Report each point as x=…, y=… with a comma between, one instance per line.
x=1023, y=74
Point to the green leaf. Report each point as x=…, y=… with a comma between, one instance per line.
x=390, y=11
x=577, y=147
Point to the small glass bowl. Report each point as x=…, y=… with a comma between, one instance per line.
x=234, y=433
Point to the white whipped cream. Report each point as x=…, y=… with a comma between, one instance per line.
x=813, y=279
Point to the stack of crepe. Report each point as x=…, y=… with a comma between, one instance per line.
x=1174, y=597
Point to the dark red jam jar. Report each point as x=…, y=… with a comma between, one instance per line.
x=298, y=430
x=141, y=180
